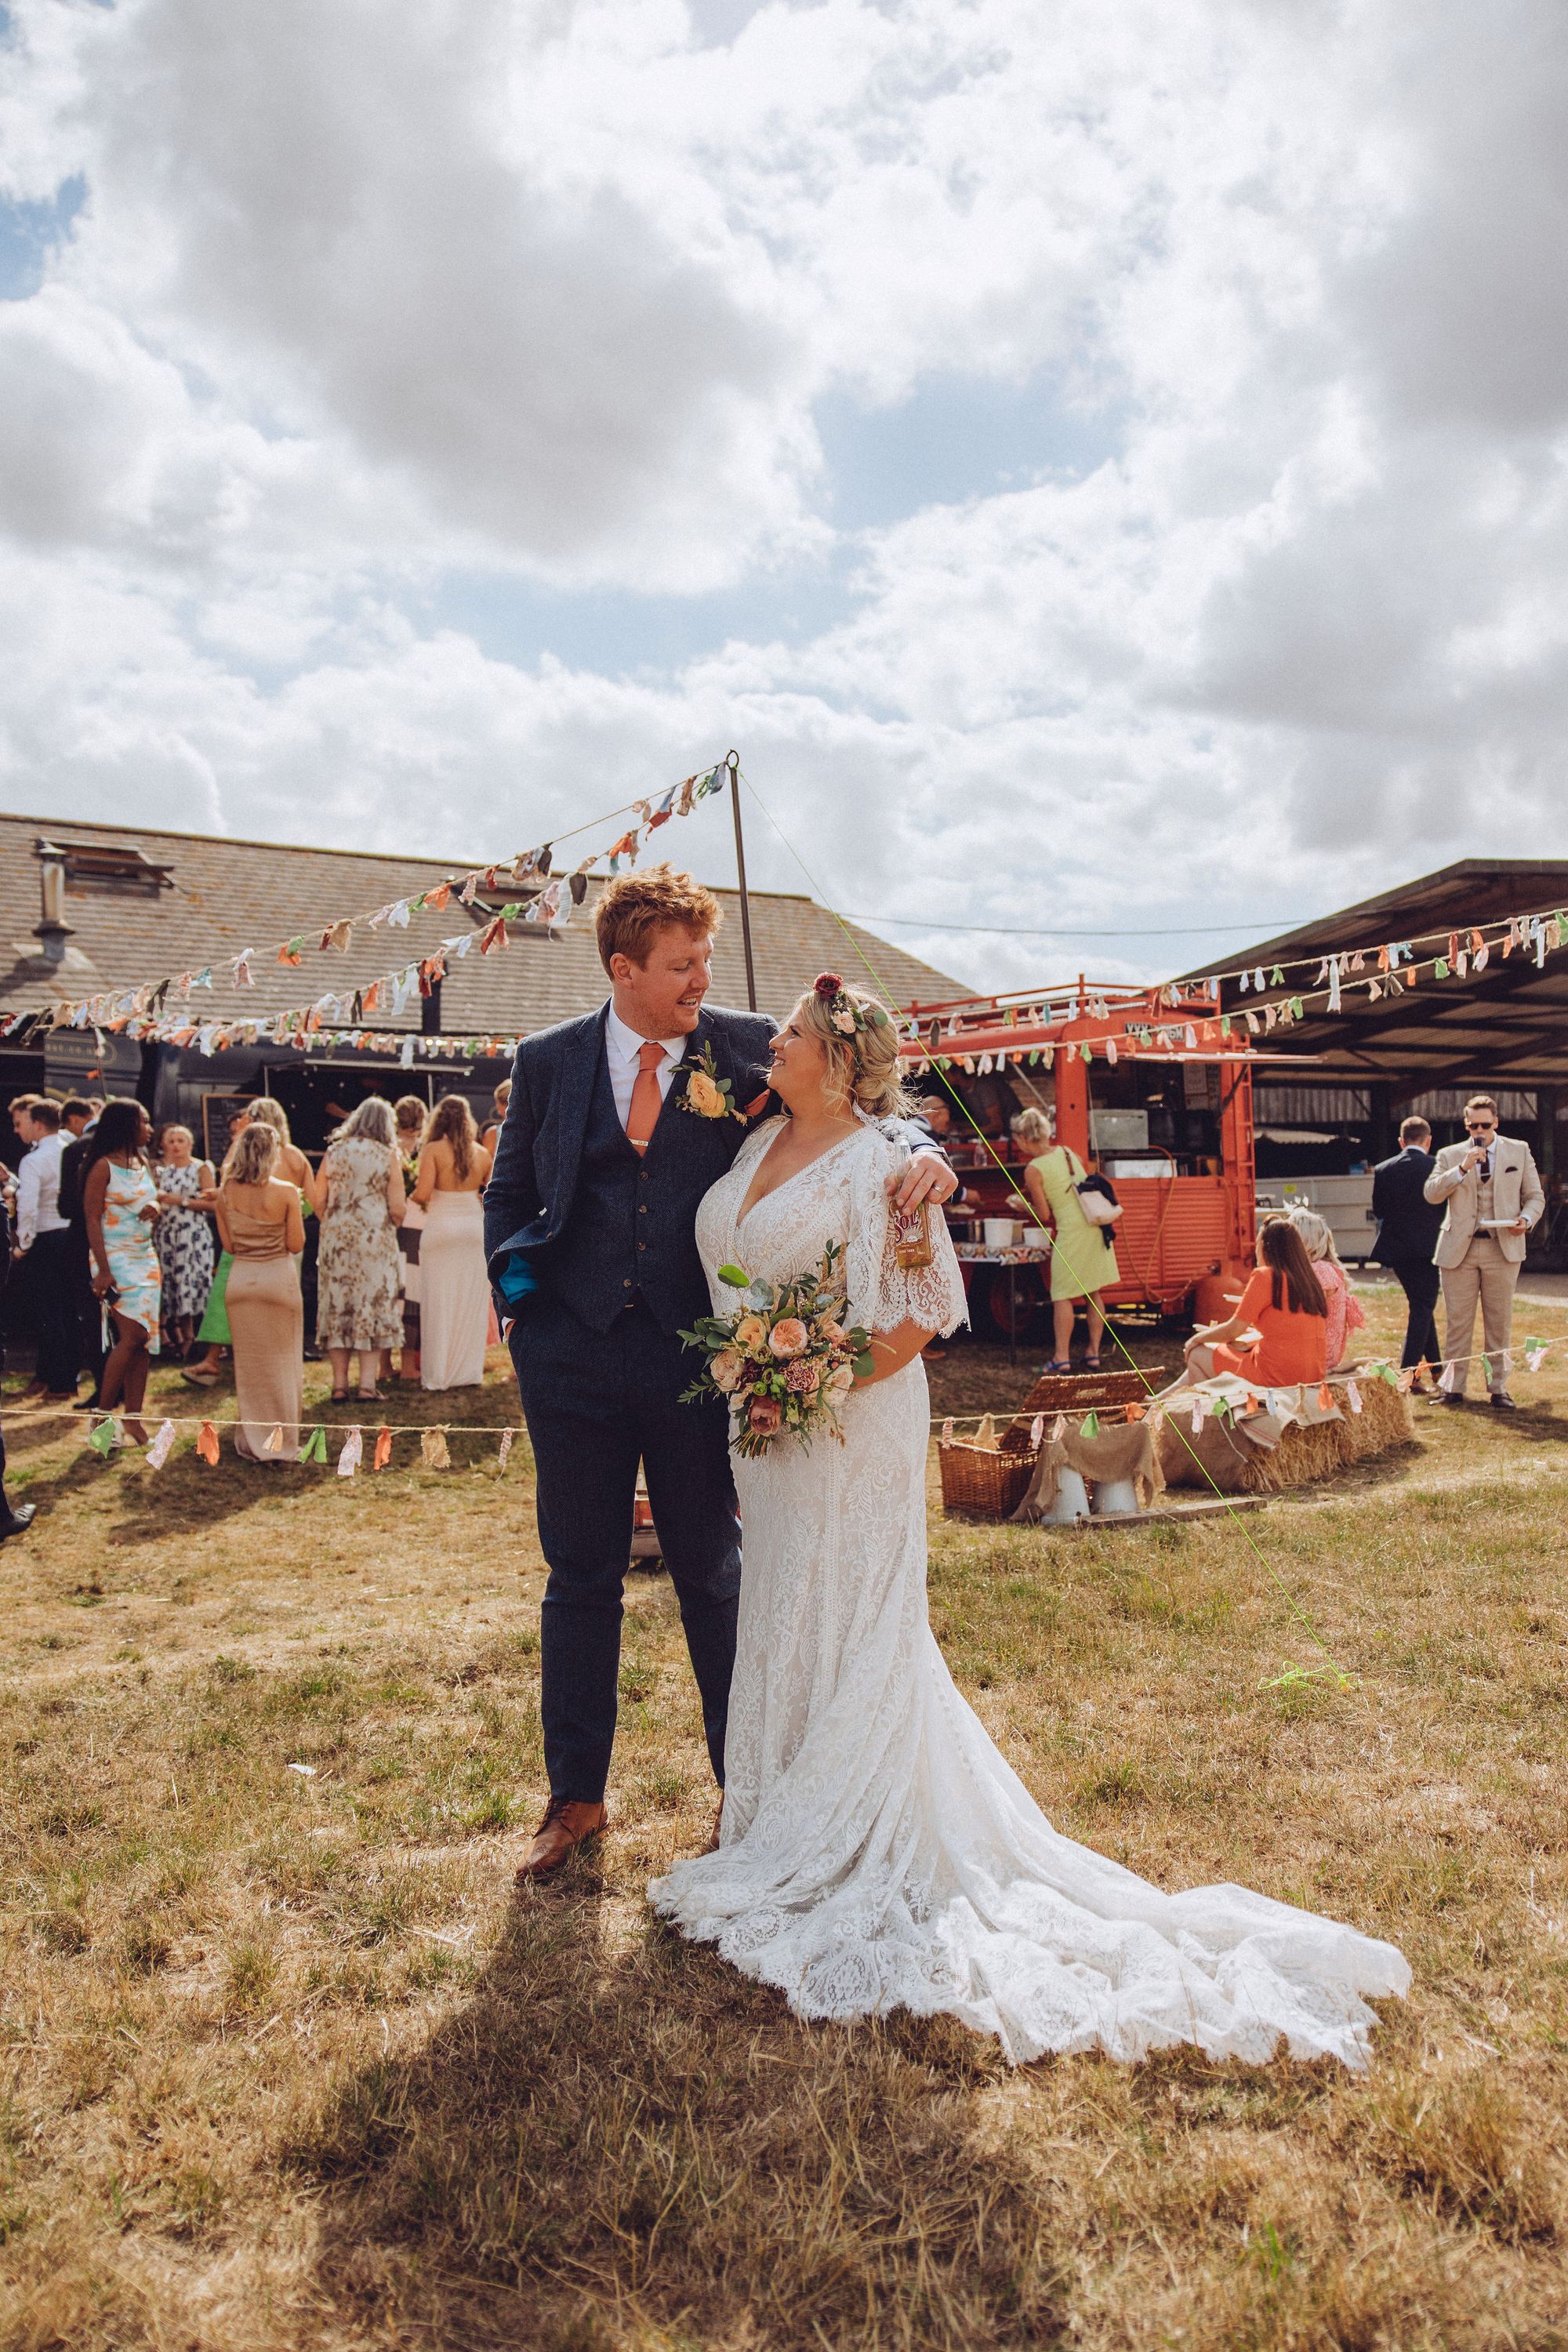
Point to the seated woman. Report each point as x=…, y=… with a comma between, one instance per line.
x=1345, y=1311
x=1283, y=1302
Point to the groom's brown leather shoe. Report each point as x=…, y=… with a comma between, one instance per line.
x=567, y=1824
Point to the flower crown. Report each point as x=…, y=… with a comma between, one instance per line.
x=843, y=1013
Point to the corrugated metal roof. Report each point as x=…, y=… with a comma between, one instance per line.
x=217, y=897
x=1510, y=1022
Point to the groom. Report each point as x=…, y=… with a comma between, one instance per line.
x=618, y=1123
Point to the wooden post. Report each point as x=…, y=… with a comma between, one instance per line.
x=734, y=764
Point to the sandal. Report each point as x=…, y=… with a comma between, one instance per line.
x=368, y=1396
x=1092, y=1363
x=339, y=1396
x=1057, y=1365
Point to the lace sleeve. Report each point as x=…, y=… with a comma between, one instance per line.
x=881, y=1293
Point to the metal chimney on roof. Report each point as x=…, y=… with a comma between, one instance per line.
x=52, y=928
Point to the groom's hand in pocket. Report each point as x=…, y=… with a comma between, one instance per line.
x=928, y=1177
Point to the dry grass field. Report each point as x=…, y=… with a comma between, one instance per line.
x=285, y=2068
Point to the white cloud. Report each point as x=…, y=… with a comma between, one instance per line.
x=366, y=296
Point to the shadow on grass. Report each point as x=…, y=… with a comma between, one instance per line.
x=618, y=2123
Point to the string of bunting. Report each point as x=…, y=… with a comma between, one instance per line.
x=1385, y=969
x=1262, y=1400
x=546, y=897
x=107, y=1435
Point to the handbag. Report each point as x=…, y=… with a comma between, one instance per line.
x=1097, y=1199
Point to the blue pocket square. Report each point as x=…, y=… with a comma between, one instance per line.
x=517, y=1283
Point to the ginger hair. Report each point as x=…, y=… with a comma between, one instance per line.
x=633, y=908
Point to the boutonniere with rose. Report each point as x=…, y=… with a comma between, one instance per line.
x=705, y=1092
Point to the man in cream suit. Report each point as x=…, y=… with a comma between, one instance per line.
x=1493, y=1196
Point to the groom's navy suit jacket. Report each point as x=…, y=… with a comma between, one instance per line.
x=602, y=1227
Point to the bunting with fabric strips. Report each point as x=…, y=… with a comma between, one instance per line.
x=545, y=895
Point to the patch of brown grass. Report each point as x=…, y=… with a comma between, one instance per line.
x=284, y=2067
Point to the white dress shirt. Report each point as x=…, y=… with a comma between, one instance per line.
x=39, y=1190
x=623, y=1049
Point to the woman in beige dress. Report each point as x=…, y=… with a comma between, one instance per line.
x=360, y=1201
x=260, y=1218
x=454, y=1287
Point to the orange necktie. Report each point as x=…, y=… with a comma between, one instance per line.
x=642, y=1114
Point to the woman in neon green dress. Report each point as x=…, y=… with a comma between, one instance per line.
x=1083, y=1256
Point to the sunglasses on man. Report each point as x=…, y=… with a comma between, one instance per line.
x=1480, y=1125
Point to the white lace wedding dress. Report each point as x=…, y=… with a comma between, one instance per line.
x=878, y=1851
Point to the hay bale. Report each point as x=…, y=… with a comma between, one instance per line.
x=1235, y=1466
x=1386, y=1419
x=1212, y=1456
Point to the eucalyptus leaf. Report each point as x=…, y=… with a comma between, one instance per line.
x=735, y=1276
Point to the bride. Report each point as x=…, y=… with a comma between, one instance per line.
x=877, y=1851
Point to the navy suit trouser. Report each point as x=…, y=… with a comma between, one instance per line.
x=596, y=1404
x=1420, y=1281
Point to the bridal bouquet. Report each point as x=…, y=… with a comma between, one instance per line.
x=784, y=1360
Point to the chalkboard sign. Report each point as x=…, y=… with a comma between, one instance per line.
x=218, y=1115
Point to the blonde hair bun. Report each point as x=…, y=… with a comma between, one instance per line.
x=862, y=1068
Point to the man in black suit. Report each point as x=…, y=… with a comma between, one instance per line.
x=618, y=1125
x=78, y=1119
x=1408, y=1229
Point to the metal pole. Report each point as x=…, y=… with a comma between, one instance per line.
x=734, y=763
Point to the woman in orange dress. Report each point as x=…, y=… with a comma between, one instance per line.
x=1284, y=1303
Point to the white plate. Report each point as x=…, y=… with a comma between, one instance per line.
x=1496, y=1224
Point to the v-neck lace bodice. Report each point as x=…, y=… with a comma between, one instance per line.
x=840, y=1197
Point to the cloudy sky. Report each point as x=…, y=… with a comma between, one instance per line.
x=1101, y=461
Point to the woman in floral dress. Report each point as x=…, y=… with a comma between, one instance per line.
x=361, y=1202
x=186, y=1252
x=119, y=1203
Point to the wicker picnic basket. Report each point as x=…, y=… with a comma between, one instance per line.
x=989, y=1481
x=984, y=1480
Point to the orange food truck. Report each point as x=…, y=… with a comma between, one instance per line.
x=1153, y=1086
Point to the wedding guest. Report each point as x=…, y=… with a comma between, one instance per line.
x=14, y=1517
x=1345, y=1311
x=263, y=1229
x=454, y=1289
x=1408, y=1229
x=121, y=1202
x=1083, y=1256
x=293, y=1164
x=358, y=1191
x=43, y=1241
x=1283, y=1302
x=82, y=1117
x=493, y=1124
x=214, y=1334
x=1493, y=1196
x=412, y=1114
x=187, y=1190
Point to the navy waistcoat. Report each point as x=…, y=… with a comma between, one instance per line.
x=629, y=1234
